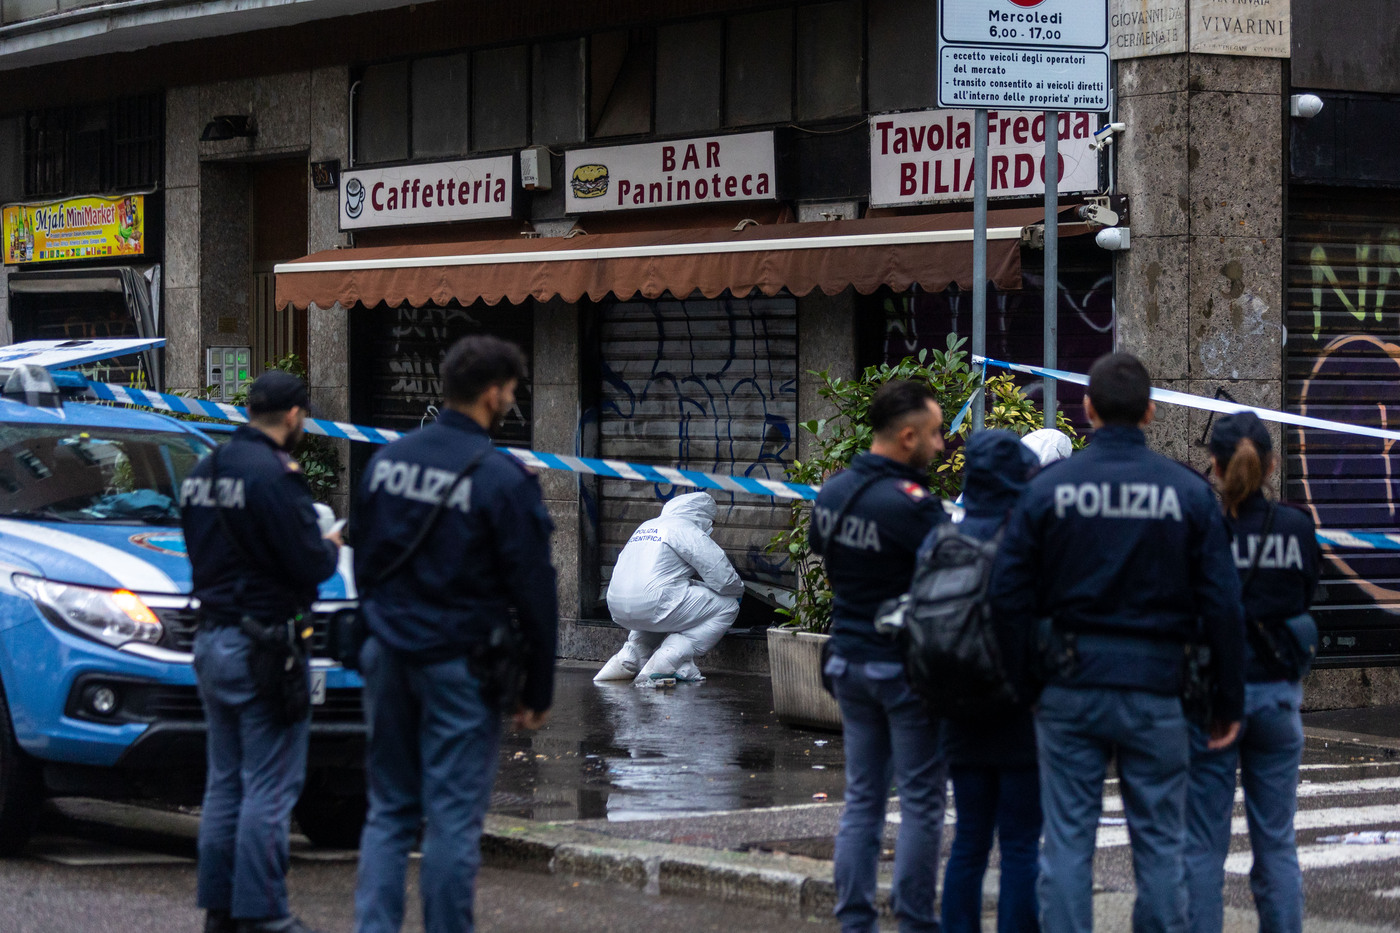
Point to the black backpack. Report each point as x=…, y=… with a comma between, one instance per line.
x=944, y=627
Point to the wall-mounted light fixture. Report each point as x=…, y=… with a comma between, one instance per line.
x=228, y=126
x=1306, y=106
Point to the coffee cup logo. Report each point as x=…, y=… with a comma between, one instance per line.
x=354, y=198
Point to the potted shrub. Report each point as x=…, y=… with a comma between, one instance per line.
x=794, y=648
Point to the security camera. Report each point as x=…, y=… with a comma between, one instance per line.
x=1114, y=239
x=1306, y=106
x=1098, y=215
x=1104, y=135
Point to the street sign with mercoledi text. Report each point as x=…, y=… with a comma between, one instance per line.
x=1023, y=54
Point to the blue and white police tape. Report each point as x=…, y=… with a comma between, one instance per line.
x=641, y=472
x=1222, y=406
x=1359, y=540
x=142, y=398
x=637, y=472
x=613, y=469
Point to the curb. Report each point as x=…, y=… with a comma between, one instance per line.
x=793, y=884
x=1332, y=740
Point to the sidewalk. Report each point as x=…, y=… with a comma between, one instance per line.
x=1374, y=730
x=699, y=790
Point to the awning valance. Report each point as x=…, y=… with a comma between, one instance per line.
x=932, y=250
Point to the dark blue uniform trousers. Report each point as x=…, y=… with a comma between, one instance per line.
x=1078, y=730
x=889, y=738
x=1268, y=753
x=257, y=766
x=433, y=744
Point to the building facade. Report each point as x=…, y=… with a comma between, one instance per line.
x=1259, y=267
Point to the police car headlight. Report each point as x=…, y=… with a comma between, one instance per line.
x=113, y=617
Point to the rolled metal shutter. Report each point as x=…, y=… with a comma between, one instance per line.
x=700, y=385
x=1343, y=363
x=404, y=348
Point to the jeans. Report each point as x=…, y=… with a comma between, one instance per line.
x=257, y=766
x=433, y=744
x=1004, y=801
x=888, y=737
x=1268, y=753
x=1078, y=731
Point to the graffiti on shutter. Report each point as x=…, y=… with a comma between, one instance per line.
x=704, y=385
x=1343, y=363
x=405, y=350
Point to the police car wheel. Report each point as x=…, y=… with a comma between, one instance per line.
x=21, y=788
x=330, y=820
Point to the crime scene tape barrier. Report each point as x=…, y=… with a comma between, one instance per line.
x=1222, y=406
x=640, y=472
x=615, y=469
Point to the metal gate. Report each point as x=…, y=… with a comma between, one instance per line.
x=702, y=385
x=1343, y=363
x=399, y=352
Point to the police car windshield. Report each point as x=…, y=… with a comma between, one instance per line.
x=55, y=472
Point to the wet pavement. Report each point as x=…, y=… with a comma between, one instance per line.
x=1378, y=723
x=616, y=753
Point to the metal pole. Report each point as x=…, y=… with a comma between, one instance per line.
x=979, y=255
x=1052, y=258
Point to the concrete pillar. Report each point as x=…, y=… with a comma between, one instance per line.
x=1200, y=293
x=826, y=341
x=7, y=329
x=555, y=386
x=184, y=354
x=328, y=329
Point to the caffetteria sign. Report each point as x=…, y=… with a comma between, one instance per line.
x=435, y=192
x=708, y=170
x=78, y=228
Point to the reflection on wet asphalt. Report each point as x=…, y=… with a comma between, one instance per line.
x=618, y=752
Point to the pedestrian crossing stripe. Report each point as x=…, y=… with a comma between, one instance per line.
x=1327, y=818
x=1320, y=856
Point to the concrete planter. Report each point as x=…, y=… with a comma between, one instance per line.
x=794, y=662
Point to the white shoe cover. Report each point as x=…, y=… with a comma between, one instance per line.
x=617, y=668
x=668, y=662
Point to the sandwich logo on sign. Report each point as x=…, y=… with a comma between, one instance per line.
x=590, y=181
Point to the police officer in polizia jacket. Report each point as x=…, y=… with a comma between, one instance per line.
x=1275, y=550
x=257, y=764
x=868, y=522
x=1127, y=553
x=433, y=736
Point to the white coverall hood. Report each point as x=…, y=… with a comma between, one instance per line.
x=695, y=507
x=1049, y=444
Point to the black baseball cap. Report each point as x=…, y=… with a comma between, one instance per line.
x=1231, y=429
x=277, y=391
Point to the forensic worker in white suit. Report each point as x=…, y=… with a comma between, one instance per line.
x=674, y=590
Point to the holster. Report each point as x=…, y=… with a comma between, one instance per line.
x=346, y=633
x=499, y=665
x=278, y=666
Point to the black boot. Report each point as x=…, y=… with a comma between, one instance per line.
x=218, y=921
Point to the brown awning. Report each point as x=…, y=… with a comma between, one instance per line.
x=933, y=250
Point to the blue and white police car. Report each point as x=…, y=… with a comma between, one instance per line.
x=97, y=689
